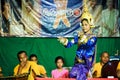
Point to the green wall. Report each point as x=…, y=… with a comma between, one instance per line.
x=46, y=50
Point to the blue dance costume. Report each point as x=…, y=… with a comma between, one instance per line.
x=85, y=52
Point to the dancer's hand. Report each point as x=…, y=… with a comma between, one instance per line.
x=63, y=40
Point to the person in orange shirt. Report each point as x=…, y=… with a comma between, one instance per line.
x=98, y=66
x=41, y=68
x=25, y=66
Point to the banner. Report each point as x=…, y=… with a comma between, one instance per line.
x=54, y=18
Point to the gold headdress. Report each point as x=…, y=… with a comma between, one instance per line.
x=86, y=14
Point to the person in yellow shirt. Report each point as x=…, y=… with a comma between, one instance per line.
x=41, y=68
x=98, y=66
x=25, y=66
x=118, y=67
x=1, y=72
x=118, y=70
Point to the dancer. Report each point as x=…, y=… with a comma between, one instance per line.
x=86, y=47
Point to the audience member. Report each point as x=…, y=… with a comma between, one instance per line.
x=104, y=58
x=60, y=72
x=118, y=71
x=26, y=66
x=41, y=69
x=1, y=72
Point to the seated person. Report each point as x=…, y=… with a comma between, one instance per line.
x=60, y=72
x=98, y=66
x=1, y=72
x=118, y=70
x=109, y=69
x=41, y=69
x=26, y=66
